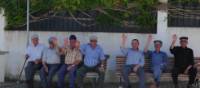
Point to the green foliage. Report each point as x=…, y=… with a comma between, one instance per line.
x=117, y=11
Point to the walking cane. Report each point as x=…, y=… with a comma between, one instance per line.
x=27, y=30
x=19, y=78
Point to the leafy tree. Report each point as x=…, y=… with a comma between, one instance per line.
x=117, y=12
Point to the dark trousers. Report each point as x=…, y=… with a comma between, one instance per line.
x=46, y=77
x=61, y=76
x=82, y=72
x=127, y=69
x=192, y=74
x=30, y=71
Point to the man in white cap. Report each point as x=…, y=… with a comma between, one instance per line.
x=92, y=62
x=34, y=56
x=158, y=59
x=51, y=62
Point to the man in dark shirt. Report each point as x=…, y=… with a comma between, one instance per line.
x=184, y=61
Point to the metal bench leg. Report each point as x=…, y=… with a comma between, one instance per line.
x=197, y=83
x=94, y=82
x=120, y=82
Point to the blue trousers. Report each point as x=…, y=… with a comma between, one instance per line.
x=61, y=76
x=157, y=71
x=127, y=69
x=30, y=71
x=46, y=77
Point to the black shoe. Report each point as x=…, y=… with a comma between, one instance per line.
x=190, y=86
x=129, y=86
x=176, y=86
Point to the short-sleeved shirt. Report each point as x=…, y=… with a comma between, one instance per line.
x=157, y=58
x=133, y=57
x=51, y=56
x=92, y=56
x=72, y=55
x=183, y=57
x=35, y=52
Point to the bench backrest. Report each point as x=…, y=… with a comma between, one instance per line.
x=120, y=61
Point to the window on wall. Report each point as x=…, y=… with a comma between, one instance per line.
x=183, y=14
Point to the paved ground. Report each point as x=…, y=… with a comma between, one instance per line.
x=110, y=85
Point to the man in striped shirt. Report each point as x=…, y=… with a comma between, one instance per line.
x=73, y=57
x=93, y=58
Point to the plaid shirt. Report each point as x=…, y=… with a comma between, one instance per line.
x=72, y=55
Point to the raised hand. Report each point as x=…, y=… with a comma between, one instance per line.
x=149, y=39
x=77, y=44
x=124, y=39
x=66, y=42
x=174, y=37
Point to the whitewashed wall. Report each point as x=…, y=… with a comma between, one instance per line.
x=15, y=42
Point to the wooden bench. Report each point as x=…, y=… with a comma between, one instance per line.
x=120, y=61
x=90, y=75
x=94, y=76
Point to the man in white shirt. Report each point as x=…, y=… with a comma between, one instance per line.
x=51, y=63
x=34, y=55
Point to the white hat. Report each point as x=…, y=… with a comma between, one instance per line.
x=34, y=36
x=93, y=37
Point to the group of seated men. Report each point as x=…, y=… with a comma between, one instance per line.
x=47, y=60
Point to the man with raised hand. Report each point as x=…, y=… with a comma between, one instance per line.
x=51, y=63
x=34, y=56
x=73, y=57
x=93, y=62
x=134, y=62
x=184, y=61
x=158, y=59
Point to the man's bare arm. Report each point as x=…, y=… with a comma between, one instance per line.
x=149, y=39
x=123, y=40
x=174, y=38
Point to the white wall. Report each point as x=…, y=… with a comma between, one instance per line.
x=2, y=48
x=2, y=25
x=16, y=42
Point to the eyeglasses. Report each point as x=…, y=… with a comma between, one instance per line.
x=93, y=40
x=183, y=41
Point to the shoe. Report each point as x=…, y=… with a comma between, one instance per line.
x=191, y=86
x=176, y=86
